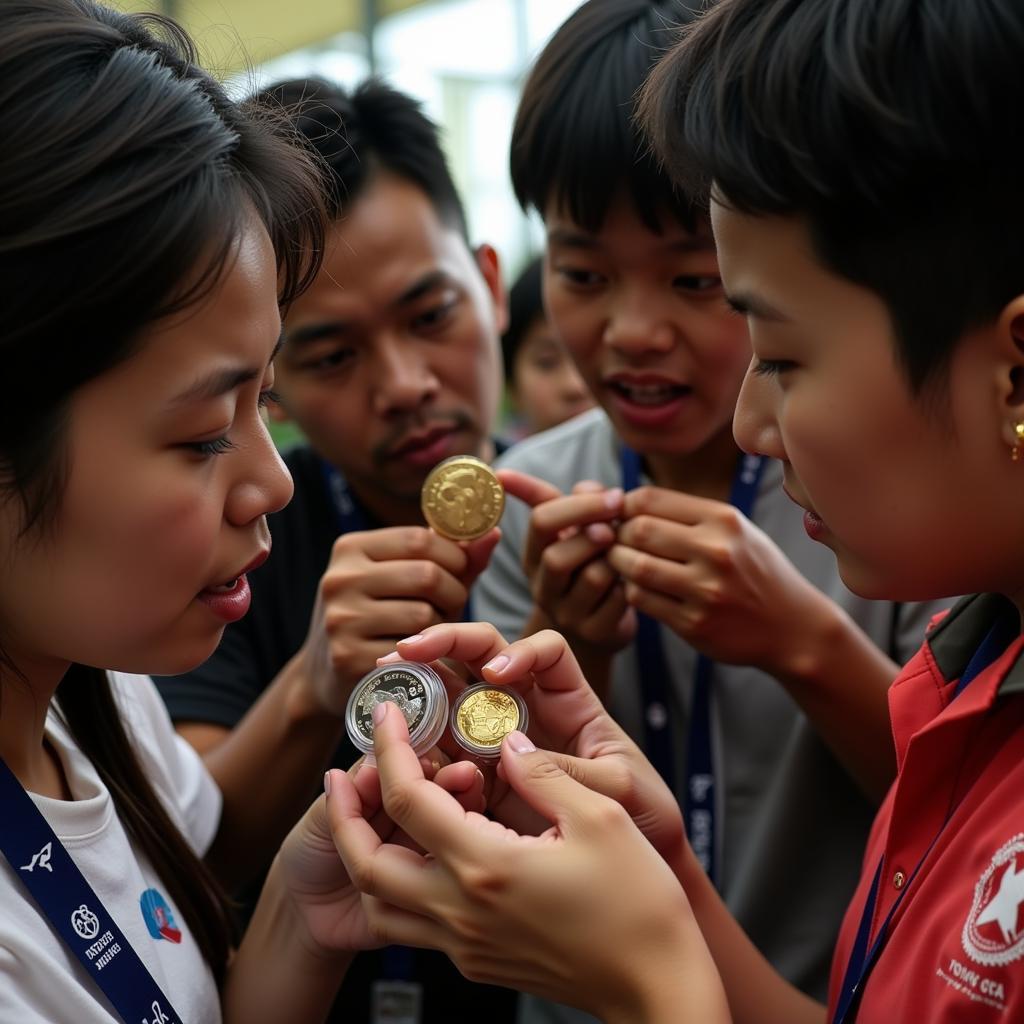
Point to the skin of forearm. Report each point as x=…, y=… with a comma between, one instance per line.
x=277, y=974
x=268, y=769
x=686, y=989
x=757, y=994
x=841, y=680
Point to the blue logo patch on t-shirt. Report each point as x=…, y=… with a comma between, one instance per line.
x=156, y=912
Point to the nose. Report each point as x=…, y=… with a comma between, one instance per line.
x=637, y=323
x=404, y=378
x=755, y=423
x=263, y=483
x=571, y=383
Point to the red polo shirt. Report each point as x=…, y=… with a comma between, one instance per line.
x=955, y=950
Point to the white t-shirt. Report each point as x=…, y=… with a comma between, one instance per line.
x=40, y=978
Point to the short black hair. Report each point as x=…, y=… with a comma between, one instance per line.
x=363, y=131
x=525, y=305
x=891, y=127
x=574, y=141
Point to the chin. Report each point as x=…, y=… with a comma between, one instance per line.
x=172, y=659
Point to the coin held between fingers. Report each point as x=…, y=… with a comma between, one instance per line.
x=462, y=499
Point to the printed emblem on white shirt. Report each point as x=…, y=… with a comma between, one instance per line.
x=40, y=860
x=85, y=922
x=993, y=933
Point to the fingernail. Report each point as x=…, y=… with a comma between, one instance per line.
x=498, y=663
x=327, y=783
x=613, y=497
x=520, y=742
x=379, y=712
x=480, y=776
x=388, y=658
x=412, y=639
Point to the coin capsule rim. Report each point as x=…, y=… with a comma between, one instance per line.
x=428, y=730
x=480, y=751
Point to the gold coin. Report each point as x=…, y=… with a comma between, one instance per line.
x=462, y=498
x=487, y=717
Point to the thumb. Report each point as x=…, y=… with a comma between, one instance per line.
x=542, y=785
x=478, y=554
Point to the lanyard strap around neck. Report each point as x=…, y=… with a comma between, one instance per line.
x=69, y=902
x=349, y=516
x=699, y=791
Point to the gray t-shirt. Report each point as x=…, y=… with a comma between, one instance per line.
x=791, y=822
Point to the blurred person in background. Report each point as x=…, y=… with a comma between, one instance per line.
x=544, y=386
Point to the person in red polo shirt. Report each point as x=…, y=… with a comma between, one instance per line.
x=863, y=163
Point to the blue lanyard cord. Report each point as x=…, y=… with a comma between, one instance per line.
x=862, y=960
x=699, y=790
x=348, y=513
x=71, y=905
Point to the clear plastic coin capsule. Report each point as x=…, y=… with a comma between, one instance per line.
x=415, y=689
x=483, y=715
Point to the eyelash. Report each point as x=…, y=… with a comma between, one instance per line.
x=772, y=367
x=221, y=445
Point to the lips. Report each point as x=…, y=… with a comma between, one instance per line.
x=421, y=439
x=232, y=584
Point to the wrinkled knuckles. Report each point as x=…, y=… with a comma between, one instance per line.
x=341, y=580
x=483, y=883
x=641, y=530
x=605, y=815
x=338, y=618
x=644, y=571
x=730, y=520
x=598, y=575
x=421, y=616
x=399, y=801
x=554, y=562
x=364, y=876
x=640, y=501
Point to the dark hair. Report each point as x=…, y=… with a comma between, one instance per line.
x=574, y=141
x=126, y=175
x=369, y=129
x=891, y=126
x=525, y=305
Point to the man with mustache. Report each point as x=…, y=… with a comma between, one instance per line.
x=390, y=363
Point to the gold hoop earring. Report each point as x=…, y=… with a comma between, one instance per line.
x=1017, y=450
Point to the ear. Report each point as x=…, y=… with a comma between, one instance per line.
x=1010, y=369
x=490, y=266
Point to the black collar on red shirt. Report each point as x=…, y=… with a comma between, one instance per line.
x=955, y=639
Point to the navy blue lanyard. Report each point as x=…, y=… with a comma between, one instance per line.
x=71, y=905
x=699, y=792
x=862, y=959
x=348, y=513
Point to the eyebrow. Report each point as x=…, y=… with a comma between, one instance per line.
x=570, y=239
x=221, y=382
x=429, y=282
x=747, y=304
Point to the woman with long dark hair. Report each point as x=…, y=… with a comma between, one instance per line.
x=149, y=229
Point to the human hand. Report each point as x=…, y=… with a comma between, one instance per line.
x=707, y=572
x=564, y=559
x=317, y=883
x=381, y=585
x=566, y=717
x=547, y=914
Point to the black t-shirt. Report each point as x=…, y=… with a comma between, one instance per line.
x=251, y=653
